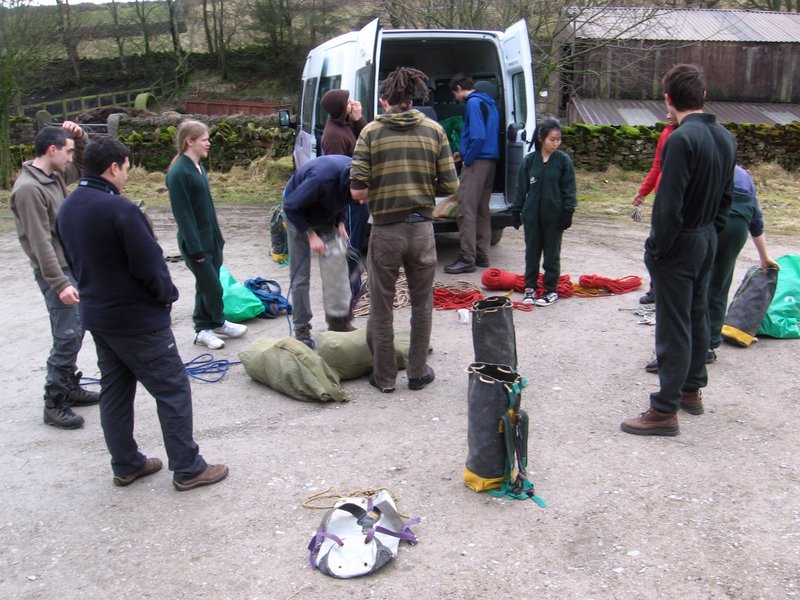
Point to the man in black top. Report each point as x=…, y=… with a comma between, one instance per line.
x=126, y=297
x=691, y=205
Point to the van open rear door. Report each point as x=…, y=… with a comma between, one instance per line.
x=305, y=141
x=517, y=57
x=367, y=53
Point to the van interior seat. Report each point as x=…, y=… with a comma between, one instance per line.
x=487, y=87
x=428, y=111
x=445, y=103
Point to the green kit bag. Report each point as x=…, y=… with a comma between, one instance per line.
x=783, y=315
x=239, y=303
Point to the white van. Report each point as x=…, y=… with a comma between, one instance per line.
x=499, y=62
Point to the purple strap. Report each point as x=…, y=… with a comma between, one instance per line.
x=316, y=543
x=406, y=534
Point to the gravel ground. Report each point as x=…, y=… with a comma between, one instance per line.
x=711, y=513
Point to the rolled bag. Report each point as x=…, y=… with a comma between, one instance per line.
x=493, y=335
x=749, y=305
x=493, y=390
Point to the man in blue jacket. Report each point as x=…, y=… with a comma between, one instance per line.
x=314, y=202
x=126, y=297
x=479, y=152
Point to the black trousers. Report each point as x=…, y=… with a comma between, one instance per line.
x=153, y=360
x=681, y=279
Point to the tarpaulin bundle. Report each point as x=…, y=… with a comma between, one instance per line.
x=595, y=285
x=495, y=279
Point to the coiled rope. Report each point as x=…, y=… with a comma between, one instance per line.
x=588, y=286
x=208, y=370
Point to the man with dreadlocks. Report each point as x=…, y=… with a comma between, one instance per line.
x=402, y=160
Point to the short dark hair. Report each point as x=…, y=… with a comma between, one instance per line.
x=686, y=86
x=49, y=136
x=463, y=81
x=101, y=153
x=543, y=130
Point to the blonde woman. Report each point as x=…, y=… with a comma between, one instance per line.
x=199, y=237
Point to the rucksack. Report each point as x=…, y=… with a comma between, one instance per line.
x=269, y=292
x=278, y=236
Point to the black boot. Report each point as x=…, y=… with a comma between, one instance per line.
x=78, y=396
x=339, y=324
x=58, y=414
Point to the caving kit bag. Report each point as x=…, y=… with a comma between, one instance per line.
x=497, y=433
x=749, y=305
x=493, y=334
x=359, y=535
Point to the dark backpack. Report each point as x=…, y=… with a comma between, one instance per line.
x=278, y=237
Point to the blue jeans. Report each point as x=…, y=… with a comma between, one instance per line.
x=67, y=331
x=153, y=360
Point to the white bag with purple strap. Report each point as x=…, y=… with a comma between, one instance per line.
x=359, y=535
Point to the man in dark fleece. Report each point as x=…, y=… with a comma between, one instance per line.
x=126, y=298
x=691, y=205
x=314, y=202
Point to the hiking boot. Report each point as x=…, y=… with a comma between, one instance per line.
x=213, y=474
x=648, y=298
x=208, y=338
x=652, y=366
x=530, y=296
x=339, y=324
x=58, y=414
x=231, y=330
x=78, y=396
x=546, y=300
x=421, y=382
x=460, y=266
x=711, y=356
x=151, y=465
x=481, y=260
x=652, y=422
x=692, y=402
x=383, y=390
x=303, y=334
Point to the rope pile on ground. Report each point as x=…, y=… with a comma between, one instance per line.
x=452, y=296
x=595, y=285
x=401, y=295
x=495, y=279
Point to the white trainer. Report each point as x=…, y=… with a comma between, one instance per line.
x=206, y=337
x=231, y=330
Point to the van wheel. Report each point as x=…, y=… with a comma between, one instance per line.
x=497, y=235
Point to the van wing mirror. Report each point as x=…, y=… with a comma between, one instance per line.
x=284, y=119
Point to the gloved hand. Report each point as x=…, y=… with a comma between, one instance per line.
x=566, y=219
x=516, y=219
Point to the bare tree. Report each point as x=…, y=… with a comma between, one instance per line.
x=69, y=35
x=117, y=32
x=144, y=11
x=23, y=33
x=173, y=10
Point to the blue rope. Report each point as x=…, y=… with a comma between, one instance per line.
x=208, y=370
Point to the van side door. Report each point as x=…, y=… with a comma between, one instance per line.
x=518, y=68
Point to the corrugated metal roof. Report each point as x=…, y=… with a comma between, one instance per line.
x=647, y=112
x=712, y=25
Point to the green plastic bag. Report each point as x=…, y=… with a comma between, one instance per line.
x=239, y=303
x=783, y=315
